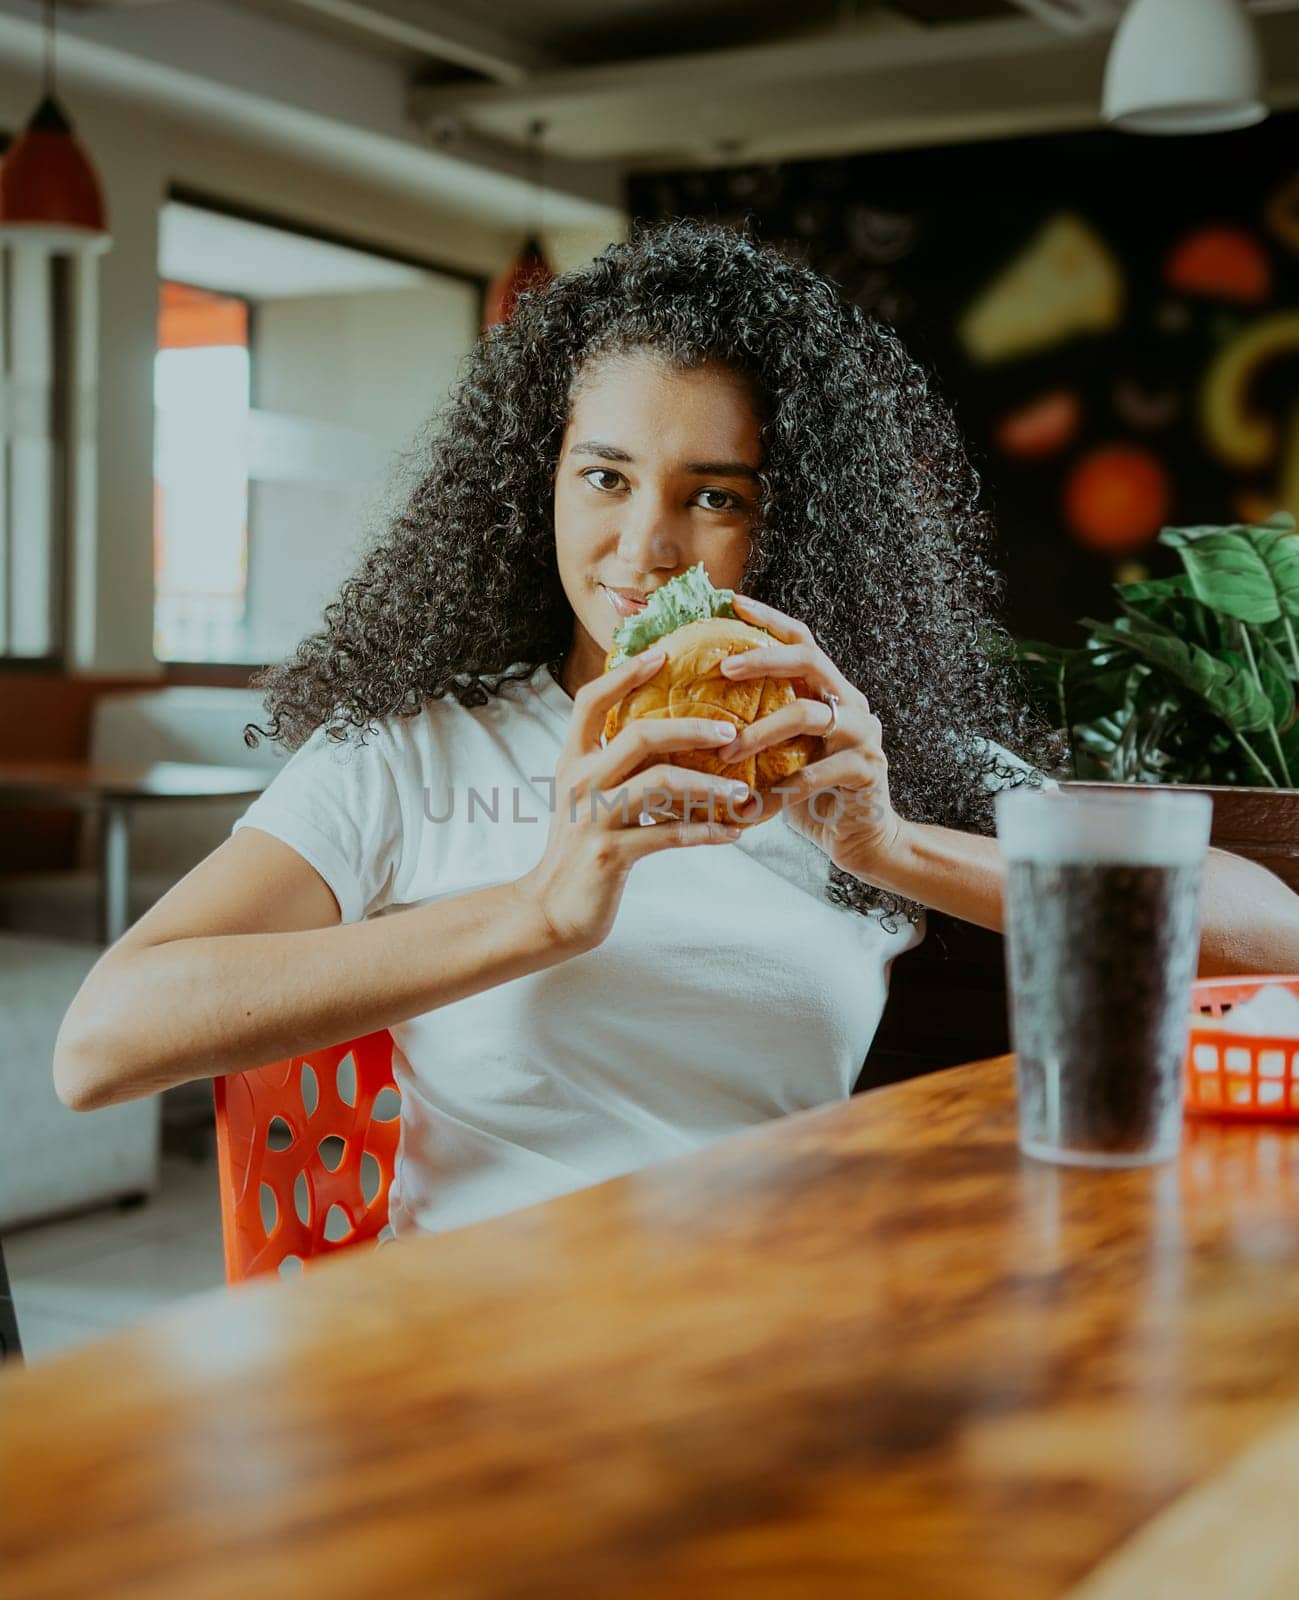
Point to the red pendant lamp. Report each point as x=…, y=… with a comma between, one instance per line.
x=49, y=189
x=530, y=269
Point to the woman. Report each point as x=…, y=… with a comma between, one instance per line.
x=573, y=994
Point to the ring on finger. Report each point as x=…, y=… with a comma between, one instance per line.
x=832, y=700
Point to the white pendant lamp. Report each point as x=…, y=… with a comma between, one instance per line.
x=1184, y=66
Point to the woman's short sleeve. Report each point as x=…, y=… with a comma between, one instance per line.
x=339, y=805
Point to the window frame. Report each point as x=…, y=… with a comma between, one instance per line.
x=228, y=674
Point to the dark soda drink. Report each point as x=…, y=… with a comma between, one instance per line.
x=1102, y=934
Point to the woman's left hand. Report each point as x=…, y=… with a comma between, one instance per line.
x=841, y=800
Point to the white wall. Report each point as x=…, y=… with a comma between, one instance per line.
x=374, y=366
x=380, y=360
x=138, y=154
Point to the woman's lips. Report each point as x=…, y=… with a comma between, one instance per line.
x=622, y=601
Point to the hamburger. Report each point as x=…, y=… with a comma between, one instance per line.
x=696, y=626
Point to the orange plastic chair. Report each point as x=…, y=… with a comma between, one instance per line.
x=290, y=1193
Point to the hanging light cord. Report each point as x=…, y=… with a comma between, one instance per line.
x=49, y=47
x=536, y=129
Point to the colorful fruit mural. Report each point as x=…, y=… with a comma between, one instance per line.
x=1117, y=498
x=1114, y=320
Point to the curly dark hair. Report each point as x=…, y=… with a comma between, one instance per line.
x=868, y=526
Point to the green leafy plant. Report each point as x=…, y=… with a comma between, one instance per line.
x=1196, y=680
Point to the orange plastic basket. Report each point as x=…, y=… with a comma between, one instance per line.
x=1239, y=1074
x=293, y=1140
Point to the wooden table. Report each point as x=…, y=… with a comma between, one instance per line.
x=113, y=789
x=862, y=1351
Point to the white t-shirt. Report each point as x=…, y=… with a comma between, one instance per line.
x=729, y=991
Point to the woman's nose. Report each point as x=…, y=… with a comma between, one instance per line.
x=648, y=538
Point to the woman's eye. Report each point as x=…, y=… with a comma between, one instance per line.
x=725, y=495
x=729, y=502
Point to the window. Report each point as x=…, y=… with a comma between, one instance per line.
x=200, y=476
x=291, y=373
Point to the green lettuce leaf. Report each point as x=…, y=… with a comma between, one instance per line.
x=689, y=597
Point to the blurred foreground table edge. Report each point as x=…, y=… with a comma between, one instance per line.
x=866, y=1350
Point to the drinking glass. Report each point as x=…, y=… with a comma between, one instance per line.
x=1102, y=912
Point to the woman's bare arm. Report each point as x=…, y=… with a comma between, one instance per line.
x=1249, y=919
x=245, y=962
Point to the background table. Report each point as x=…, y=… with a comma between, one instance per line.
x=862, y=1351
x=112, y=789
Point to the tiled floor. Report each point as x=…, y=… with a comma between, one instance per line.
x=80, y=1278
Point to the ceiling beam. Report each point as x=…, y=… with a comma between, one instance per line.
x=840, y=91
x=1073, y=16
x=722, y=74
x=425, y=28
x=263, y=79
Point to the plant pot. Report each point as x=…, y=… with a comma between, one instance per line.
x=1260, y=824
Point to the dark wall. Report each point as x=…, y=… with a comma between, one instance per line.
x=1152, y=267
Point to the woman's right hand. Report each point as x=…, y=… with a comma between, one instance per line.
x=596, y=835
